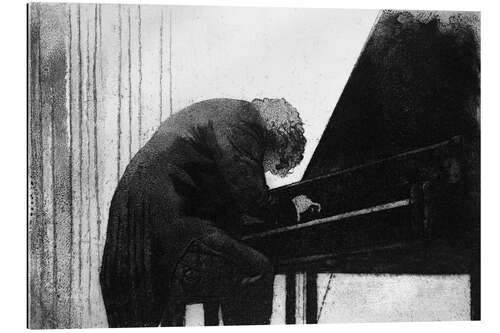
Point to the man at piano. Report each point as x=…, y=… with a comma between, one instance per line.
x=182, y=204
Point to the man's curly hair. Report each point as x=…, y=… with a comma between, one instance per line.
x=286, y=129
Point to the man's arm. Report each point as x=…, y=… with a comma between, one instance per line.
x=239, y=154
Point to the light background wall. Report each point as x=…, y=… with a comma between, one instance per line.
x=303, y=55
x=103, y=77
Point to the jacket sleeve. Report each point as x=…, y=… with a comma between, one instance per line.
x=239, y=156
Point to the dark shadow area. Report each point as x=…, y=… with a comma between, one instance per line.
x=416, y=83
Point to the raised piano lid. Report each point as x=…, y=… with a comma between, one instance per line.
x=414, y=88
x=415, y=83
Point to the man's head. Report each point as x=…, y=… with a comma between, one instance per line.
x=285, y=133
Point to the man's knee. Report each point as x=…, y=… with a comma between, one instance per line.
x=265, y=266
x=260, y=274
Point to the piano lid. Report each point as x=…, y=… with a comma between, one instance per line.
x=415, y=83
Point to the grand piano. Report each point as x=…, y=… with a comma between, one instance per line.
x=396, y=170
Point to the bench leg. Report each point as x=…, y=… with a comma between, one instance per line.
x=211, y=310
x=174, y=315
x=301, y=298
x=290, y=298
x=311, y=298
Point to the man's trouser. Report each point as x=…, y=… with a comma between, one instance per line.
x=217, y=268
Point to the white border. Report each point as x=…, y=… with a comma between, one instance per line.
x=13, y=165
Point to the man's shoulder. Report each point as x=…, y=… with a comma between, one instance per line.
x=226, y=110
x=221, y=104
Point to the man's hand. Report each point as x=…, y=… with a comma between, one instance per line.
x=303, y=203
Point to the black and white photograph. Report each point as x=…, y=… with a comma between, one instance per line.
x=193, y=165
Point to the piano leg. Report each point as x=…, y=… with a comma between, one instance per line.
x=211, y=310
x=475, y=286
x=290, y=298
x=301, y=298
x=312, y=298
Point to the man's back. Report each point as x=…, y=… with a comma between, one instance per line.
x=188, y=147
x=202, y=169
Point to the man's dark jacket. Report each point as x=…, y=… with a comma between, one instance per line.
x=203, y=165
